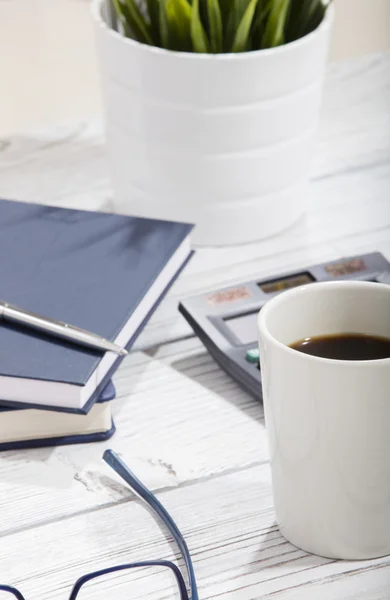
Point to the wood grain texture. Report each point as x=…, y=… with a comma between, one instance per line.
x=180, y=419
x=184, y=426
x=229, y=525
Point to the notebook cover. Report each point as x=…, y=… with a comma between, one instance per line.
x=108, y=393
x=59, y=441
x=84, y=410
x=86, y=268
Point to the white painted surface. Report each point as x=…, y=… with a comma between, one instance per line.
x=221, y=141
x=183, y=425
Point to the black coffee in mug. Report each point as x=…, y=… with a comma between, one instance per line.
x=345, y=346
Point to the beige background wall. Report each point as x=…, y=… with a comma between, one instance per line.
x=48, y=67
x=361, y=27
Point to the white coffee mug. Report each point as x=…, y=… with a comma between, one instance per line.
x=328, y=420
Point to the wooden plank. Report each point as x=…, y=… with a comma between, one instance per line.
x=63, y=165
x=355, y=121
x=179, y=418
x=229, y=525
x=370, y=582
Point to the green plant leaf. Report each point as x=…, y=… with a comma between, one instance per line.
x=203, y=14
x=261, y=14
x=295, y=18
x=164, y=27
x=133, y=21
x=308, y=10
x=153, y=11
x=274, y=29
x=242, y=38
x=121, y=16
x=137, y=22
x=179, y=23
x=304, y=16
x=200, y=42
x=215, y=25
x=317, y=14
x=237, y=10
x=226, y=7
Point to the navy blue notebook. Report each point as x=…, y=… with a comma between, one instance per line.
x=105, y=273
x=31, y=428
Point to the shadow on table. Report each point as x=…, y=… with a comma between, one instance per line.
x=37, y=467
x=275, y=552
x=57, y=467
x=202, y=369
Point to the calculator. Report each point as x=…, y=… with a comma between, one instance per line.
x=225, y=320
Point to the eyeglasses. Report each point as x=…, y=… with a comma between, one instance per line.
x=115, y=582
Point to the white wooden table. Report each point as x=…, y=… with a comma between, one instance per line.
x=185, y=428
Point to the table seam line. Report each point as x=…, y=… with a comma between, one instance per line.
x=132, y=498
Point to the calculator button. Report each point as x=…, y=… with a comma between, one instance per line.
x=252, y=355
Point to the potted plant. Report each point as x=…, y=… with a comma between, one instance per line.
x=211, y=106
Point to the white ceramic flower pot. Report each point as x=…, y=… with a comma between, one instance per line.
x=222, y=141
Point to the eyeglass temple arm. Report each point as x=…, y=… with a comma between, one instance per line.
x=113, y=460
x=12, y=590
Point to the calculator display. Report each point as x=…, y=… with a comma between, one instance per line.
x=244, y=327
x=278, y=285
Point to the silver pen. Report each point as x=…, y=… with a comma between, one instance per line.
x=57, y=328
